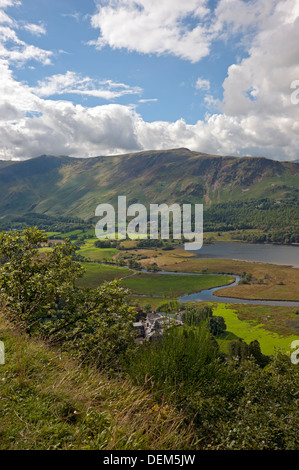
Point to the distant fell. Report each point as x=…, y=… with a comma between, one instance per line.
x=65, y=186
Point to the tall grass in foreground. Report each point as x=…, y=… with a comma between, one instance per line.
x=177, y=360
x=231, y=404
x=50, y=401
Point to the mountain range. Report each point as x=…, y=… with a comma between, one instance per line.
x=65, y=186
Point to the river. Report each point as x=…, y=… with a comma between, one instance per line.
x=263, y=253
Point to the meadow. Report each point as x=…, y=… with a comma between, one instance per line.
x=90, y=251
x=251, y=329
x=171, y=286
x=95, y=274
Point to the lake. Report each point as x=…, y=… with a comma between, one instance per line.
x=263, y=253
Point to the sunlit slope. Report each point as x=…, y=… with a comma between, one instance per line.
x=58, y=185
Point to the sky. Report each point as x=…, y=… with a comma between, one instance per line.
x=101, y=77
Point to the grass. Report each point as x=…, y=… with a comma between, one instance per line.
x=231, y=236
x=95, y=274
x=281, y=320
x=163, y=285
x=88, y=250
x=141, y=301
x=51, y=402
x=250, y=330
x=69, y=234
x=51, y=234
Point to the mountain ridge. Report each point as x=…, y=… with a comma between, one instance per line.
x=62, y=185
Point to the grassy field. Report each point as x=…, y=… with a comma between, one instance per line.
x=88, y=250
x=95, y=274
x=154, y=302
x=51, y=234
x=231, y=236
x=251, y=329
x=172, y=285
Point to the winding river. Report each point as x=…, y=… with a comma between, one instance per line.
x=274, y=254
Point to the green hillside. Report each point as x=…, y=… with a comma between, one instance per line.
x=69, y=187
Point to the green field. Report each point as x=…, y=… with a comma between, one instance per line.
x=95, y=274
x=88, y=250
x=163, y=285
x=51, y=234
x=250, y=330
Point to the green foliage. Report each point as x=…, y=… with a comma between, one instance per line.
x=232, y=405
x=241, y=351
x=40, y=294
x=148, y=243
x=105, y=243
x=193, y=316
x=179, y=359
x=279, y=220
x=31, y=285
x=49, y=401
x=95, y=324
x=45, y=222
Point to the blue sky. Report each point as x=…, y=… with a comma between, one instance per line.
x=88, y=78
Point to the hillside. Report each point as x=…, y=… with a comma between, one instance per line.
x=64, y=186
x=52, y=402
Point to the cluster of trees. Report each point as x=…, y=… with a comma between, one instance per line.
x=241, y=351
x=194, y=316
x=106, y=244
x=237, y=401
x=279, y=219
x=278, y=236
x=44, y=222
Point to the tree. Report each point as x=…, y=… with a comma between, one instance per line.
x=238, y=349
x=217, y=325
x=255, y=351
x=30, y=283
x=39, y=293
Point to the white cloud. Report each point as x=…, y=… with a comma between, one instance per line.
x=202, y=84
x=12, y=48
x=9, y=3
x=148, y=100
x=76, y=15
x=4, y=18
x=74, y=83
x=160, y=26
x=35, y=29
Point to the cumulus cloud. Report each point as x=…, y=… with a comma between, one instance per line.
x=30, y=125
x=255, y=117
x=160, y=26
